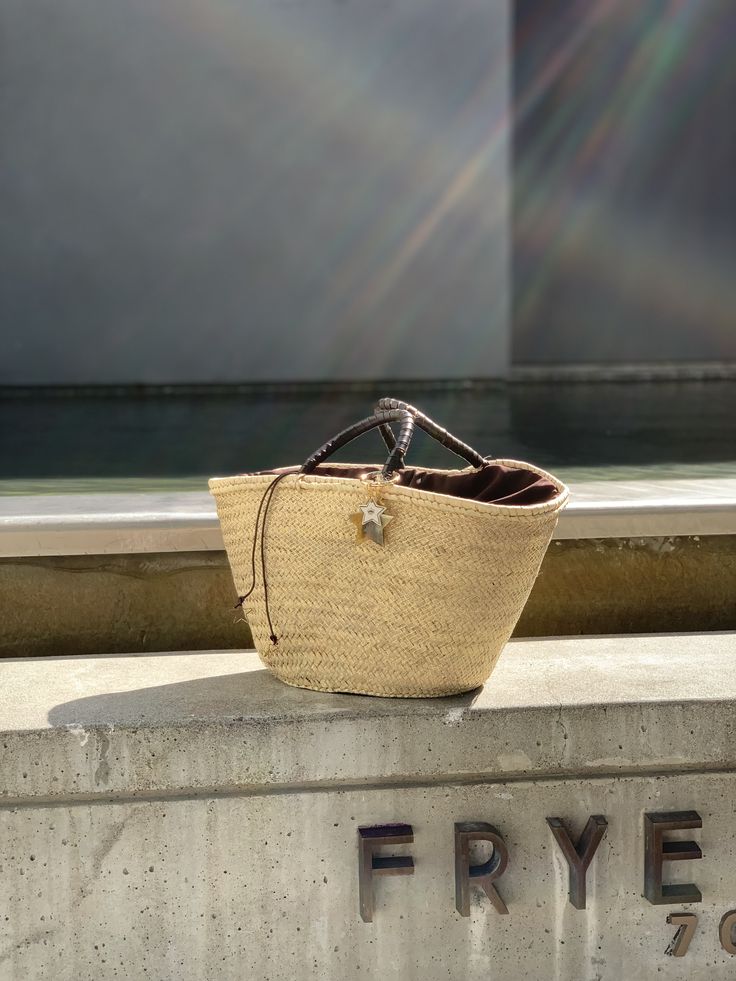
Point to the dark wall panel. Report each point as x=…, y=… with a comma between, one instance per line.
x=624, y=180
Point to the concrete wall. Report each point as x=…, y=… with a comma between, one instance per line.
x=183, y=817
x=85, y=604
x=264, y=189
x=625, y=202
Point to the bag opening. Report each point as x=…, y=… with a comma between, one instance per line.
x=493, y=483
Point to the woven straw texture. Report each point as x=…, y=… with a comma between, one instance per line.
x=426, y=614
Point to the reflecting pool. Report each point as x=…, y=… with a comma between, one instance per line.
x=109, y=442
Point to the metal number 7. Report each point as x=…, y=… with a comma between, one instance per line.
x=686, y=923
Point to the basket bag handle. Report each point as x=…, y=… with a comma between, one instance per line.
x=379, y=419
x=387, y=411
x=429, y=426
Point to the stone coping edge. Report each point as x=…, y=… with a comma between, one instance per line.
x=213, y=723
x=104, y=524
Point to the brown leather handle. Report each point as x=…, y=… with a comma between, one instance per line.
x=429, y=426
x=381, y=418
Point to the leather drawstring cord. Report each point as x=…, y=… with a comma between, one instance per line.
x=268, y=493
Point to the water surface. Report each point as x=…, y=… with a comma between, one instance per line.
x=612, y=431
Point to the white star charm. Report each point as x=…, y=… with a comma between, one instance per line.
x=372, y=513
x=371, y=521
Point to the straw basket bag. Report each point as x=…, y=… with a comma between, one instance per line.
x=393, y=580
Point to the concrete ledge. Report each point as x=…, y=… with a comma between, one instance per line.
x=186, y=816
x=108, y=524
x=113, y=524
x=215, y=723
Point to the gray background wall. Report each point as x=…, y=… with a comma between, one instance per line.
x=225, y=190
x=624, y=175
x=219, y=190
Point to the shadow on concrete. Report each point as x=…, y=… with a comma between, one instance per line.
x=248, y=695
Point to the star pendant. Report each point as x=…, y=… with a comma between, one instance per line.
x=370, y=522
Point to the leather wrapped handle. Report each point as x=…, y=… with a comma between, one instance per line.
x=382, y=417
x=429, y=426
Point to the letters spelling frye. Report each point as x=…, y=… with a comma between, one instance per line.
x=578, y=855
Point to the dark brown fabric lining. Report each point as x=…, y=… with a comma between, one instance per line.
x=492, y=484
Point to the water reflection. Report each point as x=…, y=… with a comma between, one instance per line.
x=579, y=430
